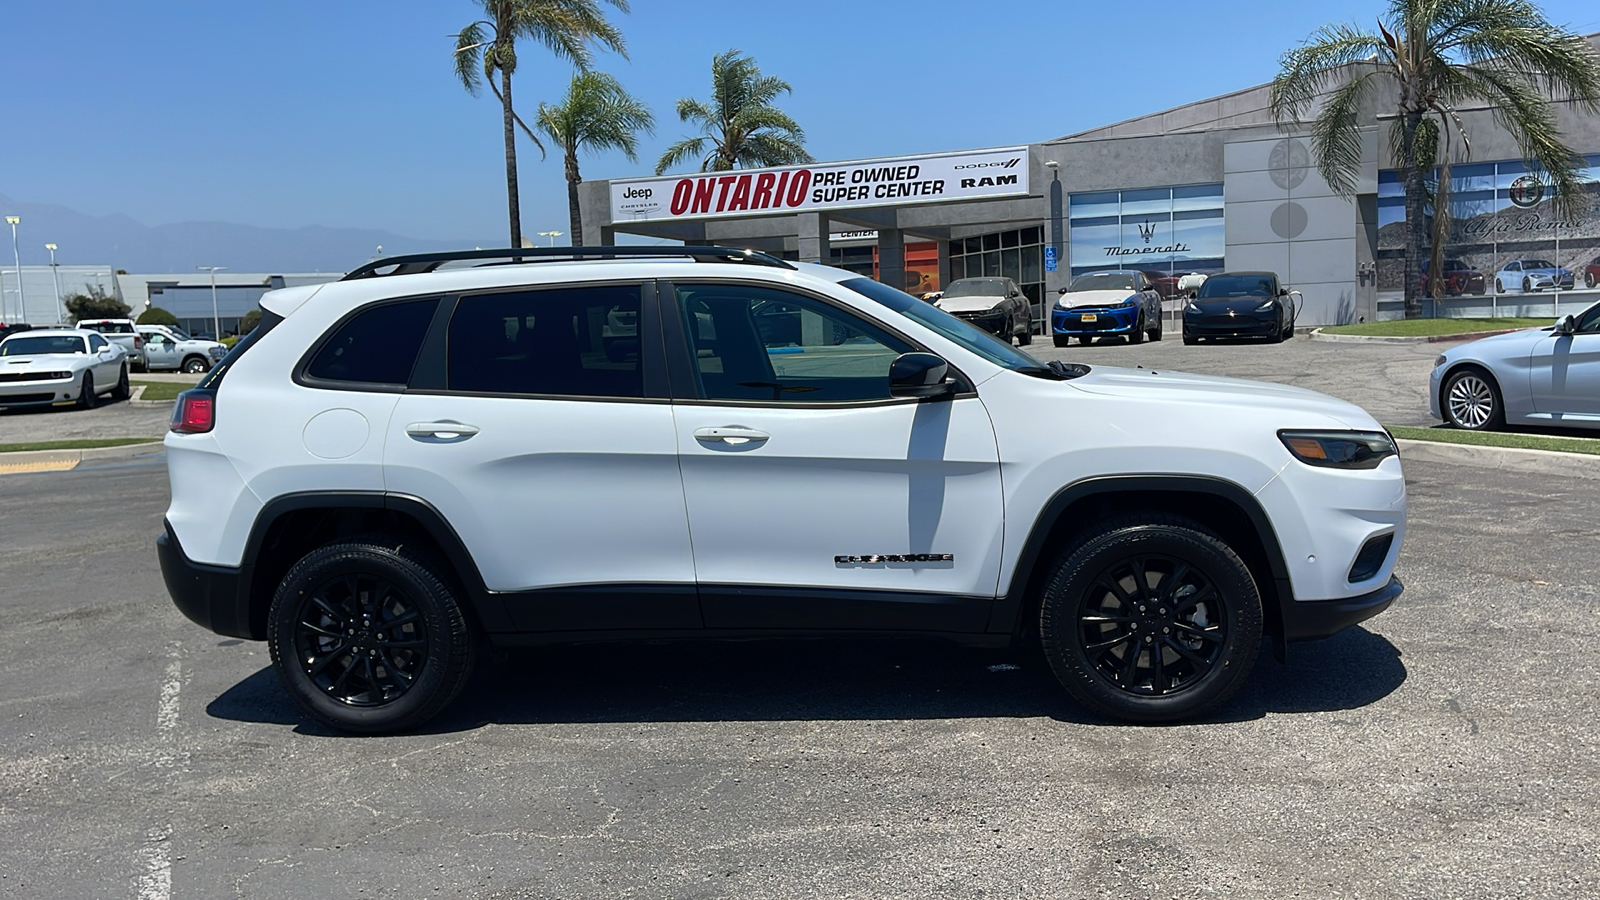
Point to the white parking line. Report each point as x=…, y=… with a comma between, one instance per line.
x=155, y=864
x=155, y=857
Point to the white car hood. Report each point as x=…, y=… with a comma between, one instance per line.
x=1075, y=299
x=1161, y=385
x=968, y=304
x=43, y=362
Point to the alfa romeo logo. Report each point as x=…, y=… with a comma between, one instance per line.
x=1526, y=191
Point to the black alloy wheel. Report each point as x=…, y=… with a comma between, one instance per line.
x=369, y=638
x=123, y=390
x=1154, y=619
x=194, y=365
x=86, y=395
x=1471, y=400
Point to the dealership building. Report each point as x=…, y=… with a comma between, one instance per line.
x=1215, y=185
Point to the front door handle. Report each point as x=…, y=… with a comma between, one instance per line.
x=730, y=434
x=440, y=432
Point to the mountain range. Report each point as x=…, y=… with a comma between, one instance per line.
x=121, y=242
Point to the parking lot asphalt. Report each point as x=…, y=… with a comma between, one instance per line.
x=1445, y=748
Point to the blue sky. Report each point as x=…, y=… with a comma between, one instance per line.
x=345, y=113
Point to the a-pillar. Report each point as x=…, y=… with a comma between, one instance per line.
x=892, y=257
x=813, y=235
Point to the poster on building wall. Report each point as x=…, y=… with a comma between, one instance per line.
x=898, y=181
x=1176, y=229
x=1506, y=242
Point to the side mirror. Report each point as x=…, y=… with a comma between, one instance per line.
x=1061, y=290
x=918, y=375
x=1565, y=325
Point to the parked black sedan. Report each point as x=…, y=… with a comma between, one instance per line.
x=1239, y=304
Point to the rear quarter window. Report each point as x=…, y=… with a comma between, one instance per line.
x=376, y=346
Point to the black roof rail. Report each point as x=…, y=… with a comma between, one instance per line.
x=428, y=262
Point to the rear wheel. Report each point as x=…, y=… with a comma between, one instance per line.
x=1588, y=279
x=369, y=637
x=1527, y=285
x=1471, y=401
x=1153, y=619
x=86, y=396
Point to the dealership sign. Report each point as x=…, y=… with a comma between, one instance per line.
x=938, y=178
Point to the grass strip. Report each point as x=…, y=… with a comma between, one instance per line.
x=1430, y=327
x=1512, y=439
x=161, y=390
x=81, y=444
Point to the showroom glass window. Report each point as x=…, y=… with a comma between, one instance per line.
x=1165, y=231
x=760, y=344
x=580, y=342
x=1017, y=255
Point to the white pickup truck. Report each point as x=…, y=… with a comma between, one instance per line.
x=170, y=347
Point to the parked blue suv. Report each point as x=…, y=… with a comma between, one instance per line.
x=1107, y=303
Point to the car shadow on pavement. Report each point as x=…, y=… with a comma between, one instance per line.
x=826, y=680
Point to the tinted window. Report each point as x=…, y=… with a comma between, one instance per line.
x=109, y=327
x=1224, y=286
x=29, y=346
x=760, y=344
x=1589, y=322
x=95, y=343
x=378, y=346
x=569, y=341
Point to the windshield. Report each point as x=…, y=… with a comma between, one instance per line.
x=1106, y=281
x=1537, y=264
x=977, y=287
x=179, y=333
x=972, y=338
x=34, y=346
x=1222, y=287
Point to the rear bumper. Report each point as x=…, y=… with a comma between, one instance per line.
x=210, y=596
x=1312, y=620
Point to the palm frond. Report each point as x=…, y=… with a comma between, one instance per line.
x=466, y=59
x=1336, y=135
x=682, y=151
x=772, y=149
x=1318, y=64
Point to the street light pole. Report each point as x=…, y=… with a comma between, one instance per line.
x=56, y=274
x=552, y=235
x=22, y=299
x=216, y=321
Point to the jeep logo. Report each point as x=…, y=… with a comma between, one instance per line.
x=637, y=194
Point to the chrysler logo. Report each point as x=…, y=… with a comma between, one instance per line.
x=1147, y=231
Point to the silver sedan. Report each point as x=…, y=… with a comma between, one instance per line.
x=1542, y=376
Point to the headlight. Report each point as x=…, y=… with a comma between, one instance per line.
x=1192, y=307
x=1339, y=449
x=1268, y=306
x=1131, y=301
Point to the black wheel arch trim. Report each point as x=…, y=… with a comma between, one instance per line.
x=1008, y=611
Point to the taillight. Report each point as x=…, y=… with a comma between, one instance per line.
x=138, y=342
x=195, y=412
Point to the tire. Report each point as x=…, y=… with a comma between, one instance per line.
x=1026, y=337
x=1189, y=339
x=1470, y=400
x=1136, y=336
x=86, y=395
x=194, y=365
x=1060, y=341
x=1203, y=615
x=353, y=587
x=1161, y=325
x=1588, y=279
x=122, y=391
x=1527, y=285
x=1083, y=340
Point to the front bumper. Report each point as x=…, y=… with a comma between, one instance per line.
x=1247, y=325
x=1093, y=320
x=1316, y=619
x=992, y=321
x=210, y=596
x=41, y=392
x=1548, y=282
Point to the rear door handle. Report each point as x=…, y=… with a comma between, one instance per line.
x=730, y=434
x=440, y=432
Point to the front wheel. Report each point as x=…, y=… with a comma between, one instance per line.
x=1060, y=340
x=1527, y=285
x=1025, y=337
x=86, y=396
x=1151, y=620
x=1136, y=336
x=1189, y=339
x=194, y=365
x=1472, y=401
x=1155, y=335
x=369, y=637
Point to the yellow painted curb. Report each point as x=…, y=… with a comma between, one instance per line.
x=44, y=465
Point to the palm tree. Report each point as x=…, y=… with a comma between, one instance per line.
x=742, y=125
x=596, y=115
x=488, y=48
x=1435, y=56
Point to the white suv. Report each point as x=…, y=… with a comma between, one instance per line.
x=395, y=470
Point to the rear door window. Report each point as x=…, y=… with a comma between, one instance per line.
x=570, y=341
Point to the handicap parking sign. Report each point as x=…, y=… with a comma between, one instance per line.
x=1050, y=259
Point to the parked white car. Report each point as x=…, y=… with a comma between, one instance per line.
x=48, y=366
x=395, y=469
x=166, y=347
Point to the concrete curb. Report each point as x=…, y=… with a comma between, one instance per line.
x=67, y=459
x=1545, y=462
x=1317, y=334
